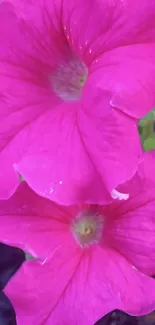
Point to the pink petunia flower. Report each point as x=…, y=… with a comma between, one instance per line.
x=74, y=78
x=89, y=260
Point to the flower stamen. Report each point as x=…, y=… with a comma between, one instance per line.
x=68, y=79
x=87, y=228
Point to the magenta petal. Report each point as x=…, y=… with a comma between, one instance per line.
x=40, y=286
x=56, y=164
x=9, y=178
x=27, y=222
x=131, y=286
x=117, y=27
x=88, y=289
x=122, y=24
x=100, y=287
x=133, y=234
x=23, y=97
x=38, y=37
x=130, y=225
x=146, y=169
x=129, y=73
x=84, y=283
x=106, y=133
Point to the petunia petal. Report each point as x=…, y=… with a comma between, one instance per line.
x=130, y=225
x=32, y=41
x=110, y=24
x=58, y=155
x=133, y=235
x=27, y=222
x=146, y=168
x=40, y=286
x=25, y=94
x=106, y=133
x=123, y=24
x=103, y=281
x=89, y=288
x=128, y=72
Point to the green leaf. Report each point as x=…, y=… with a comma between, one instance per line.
x=149, y=143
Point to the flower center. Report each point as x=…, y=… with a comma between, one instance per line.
x=68, y=78
x=87, y=228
